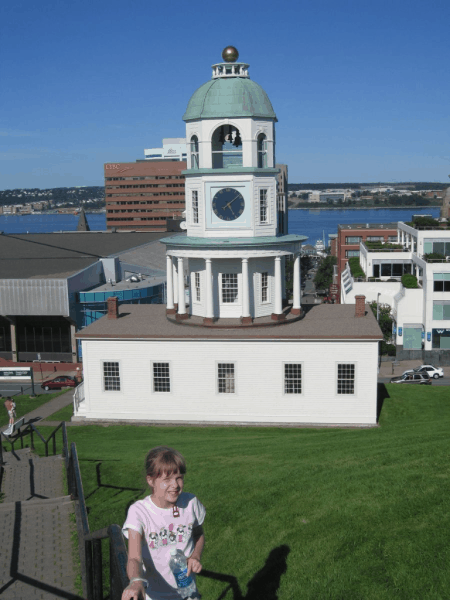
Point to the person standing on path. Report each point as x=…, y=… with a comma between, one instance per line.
x=11, y=408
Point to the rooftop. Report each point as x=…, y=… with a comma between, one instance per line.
x=59, y=255
x=323, y=322
x=369, y=226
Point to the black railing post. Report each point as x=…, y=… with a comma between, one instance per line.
x=97, y=569
x=54, y=445
x=88, y=563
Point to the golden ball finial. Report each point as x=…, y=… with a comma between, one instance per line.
x=230, y=54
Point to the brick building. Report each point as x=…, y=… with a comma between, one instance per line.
x=143, y=195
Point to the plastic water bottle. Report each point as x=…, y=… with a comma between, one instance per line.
x=178, y=565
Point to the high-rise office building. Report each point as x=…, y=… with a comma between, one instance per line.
x=143, y=195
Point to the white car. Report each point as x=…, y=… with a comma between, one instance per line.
x=434, y=372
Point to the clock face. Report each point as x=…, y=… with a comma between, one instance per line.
x=228, y=204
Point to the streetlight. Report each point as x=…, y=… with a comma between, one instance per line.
x=378, y=306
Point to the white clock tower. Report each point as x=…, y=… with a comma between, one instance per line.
x=235, y=252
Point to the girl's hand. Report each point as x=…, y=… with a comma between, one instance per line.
x=194, y=565
x=134, y=591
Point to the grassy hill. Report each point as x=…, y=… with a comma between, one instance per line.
x=301, y=513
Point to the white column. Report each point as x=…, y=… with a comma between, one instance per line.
x=245, y=289
x=181, y=296
x=296, y=284
x=175, y=281
x=209, y=290
x=278, y=308
x=169, y=293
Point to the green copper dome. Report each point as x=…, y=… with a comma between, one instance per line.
x=229, y=97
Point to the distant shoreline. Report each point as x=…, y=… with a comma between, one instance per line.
x=363, y=207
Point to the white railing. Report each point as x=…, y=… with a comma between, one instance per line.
x=78, y=400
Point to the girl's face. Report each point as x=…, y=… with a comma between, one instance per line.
x=166, y=489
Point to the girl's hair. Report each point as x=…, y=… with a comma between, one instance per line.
x=164, y=460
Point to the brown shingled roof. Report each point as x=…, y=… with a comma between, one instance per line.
x=325, y=321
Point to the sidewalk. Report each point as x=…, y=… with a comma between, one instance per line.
x=36, y=560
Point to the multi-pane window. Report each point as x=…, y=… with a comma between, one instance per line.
x=225, y=378
x=293, y=378
x=194, y=206
x=263, y=214
x=161, y=377
x=197, y=286
x=350, y=253
x=441, y=282
x=441, y=310
x=264, y=287
x=111, y=376
x=352, y=239
x=229, y=287
x=375, y=238
x=346, y=379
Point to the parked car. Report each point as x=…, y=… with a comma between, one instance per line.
x=434, y=372
x=420, y=378
x=59, y=382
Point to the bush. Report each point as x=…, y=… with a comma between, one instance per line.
x=355, y=267
x=409, y=281
x=434, y=257
x=388, y=349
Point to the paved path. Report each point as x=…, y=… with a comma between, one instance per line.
x=36, y=560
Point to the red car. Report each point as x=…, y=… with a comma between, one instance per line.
x=59, y=382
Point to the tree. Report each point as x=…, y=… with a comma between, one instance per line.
x=324, y=275
x=384, y=320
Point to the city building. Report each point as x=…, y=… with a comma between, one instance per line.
x=239, y=352
x=143, y=195
x=173, y=149
x=349, y=236
x=54, y=284
x=421, y=317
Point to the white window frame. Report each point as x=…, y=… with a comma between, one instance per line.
x=264, y=206
x=267, y=288
x=302, y=379
x=194, y=152
x=103, y=363
x=197, y=297
x=157, y=362
x=354, y=365
x=225, y=362
x=237, y=300
x=195, y=215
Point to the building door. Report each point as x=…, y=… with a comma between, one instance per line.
x=412, y=339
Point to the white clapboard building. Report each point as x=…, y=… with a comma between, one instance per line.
x=237, y=352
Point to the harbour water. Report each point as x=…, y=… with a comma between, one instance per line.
x=313, y=223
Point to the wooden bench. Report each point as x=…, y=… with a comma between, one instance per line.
x=16, y=426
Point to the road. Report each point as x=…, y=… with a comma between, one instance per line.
x=16, y=389
x=441, y=381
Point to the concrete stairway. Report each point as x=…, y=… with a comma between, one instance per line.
x=36, y=555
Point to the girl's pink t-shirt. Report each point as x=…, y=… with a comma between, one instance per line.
x=161, y=532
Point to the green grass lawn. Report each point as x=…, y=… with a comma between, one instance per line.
x=25, y=404
x=64, y=414
x=302, y=513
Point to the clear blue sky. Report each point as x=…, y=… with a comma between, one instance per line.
x=361, y=89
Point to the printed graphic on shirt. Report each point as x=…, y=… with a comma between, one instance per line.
x=169, y=535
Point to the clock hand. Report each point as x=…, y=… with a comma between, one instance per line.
x=231, y=201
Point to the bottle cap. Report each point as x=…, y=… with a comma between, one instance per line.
x=173, y=551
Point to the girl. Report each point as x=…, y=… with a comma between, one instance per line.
x=153, y=527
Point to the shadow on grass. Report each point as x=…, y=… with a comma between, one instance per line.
x=382, y=394
x=263, y=585
x=111, y=487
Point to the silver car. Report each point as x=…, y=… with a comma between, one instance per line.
x=412, y=378
x=434, y=372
